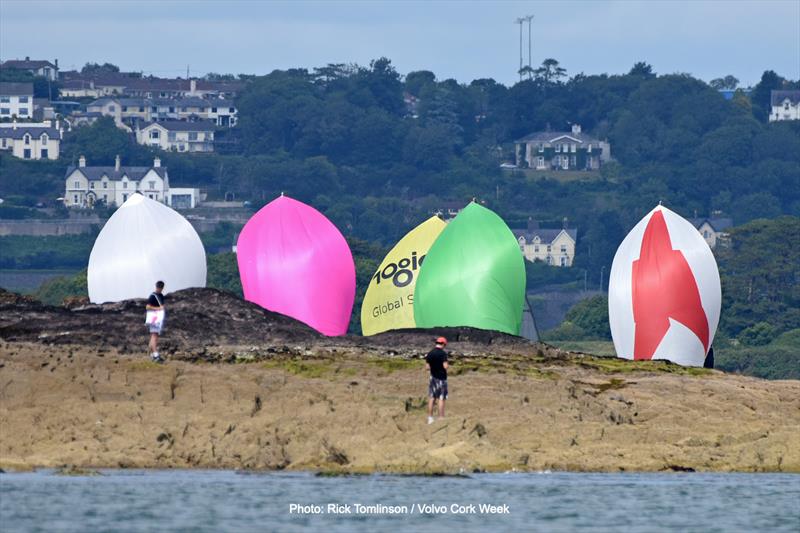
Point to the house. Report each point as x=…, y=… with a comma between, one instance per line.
x=448, y=210
x=128, y=112
x=552, y=246
x=32, y=140
x=713, y=230
x=87, y=186
x=785, y=105
x=132, y=85
x=178, y=136
x=37, y=67
x=16, y=100
x=550, y=150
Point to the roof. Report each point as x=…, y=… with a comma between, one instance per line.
x=182, y=125
x=16, y=88
x=777, y=97
x=550, y=136
x=25, y=64
x=133, y=173
x=546, y=236
x=34, y=131
x=718, y=224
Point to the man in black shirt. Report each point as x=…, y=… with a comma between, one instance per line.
x=436, y=361
x=155, y=303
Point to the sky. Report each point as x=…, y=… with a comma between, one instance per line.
x=464, y=40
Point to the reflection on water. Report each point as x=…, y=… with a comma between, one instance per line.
x=135, y=500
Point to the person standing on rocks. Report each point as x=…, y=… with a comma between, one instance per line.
x=155, y=319
x=436, y=362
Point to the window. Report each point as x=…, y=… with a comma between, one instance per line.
x=5, y=111
x=5, y=100
x=573, y=147
x=192, y=135
x=558, y=160
x=43, y=138
x=141, y=109
x=112, y=108
x=573, y=160
x=171, y=109
x=549, y=260
x=563, y=261
x=26, y=154
x=124, y=198
x=184, y=109
x=705, y=234
x=155, y=134
x=589, y=148
x=150, y=196
x=213, y=109
x=91, y=185
x=549, y=248
x=105, y=198
x=540, y=162
x=75, y=199
x=536, y=249
x=105, y=185
x=77, y=184
x=563, y=248
x=124, y=109
x=171, y=136
x=541, y=147
x=3, y=142
x=154, y=109
x=23, y=111
x=152, y=184
x=124, y=184
x=558, y=148
x=27, y=139
x=23, y=99
x=232, y=110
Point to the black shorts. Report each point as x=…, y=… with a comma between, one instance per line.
x=437, y=388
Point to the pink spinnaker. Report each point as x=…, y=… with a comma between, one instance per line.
x=294, y=261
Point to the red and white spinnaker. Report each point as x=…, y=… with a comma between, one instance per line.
x=664, y=293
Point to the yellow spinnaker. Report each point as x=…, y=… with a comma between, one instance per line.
x=388, y=303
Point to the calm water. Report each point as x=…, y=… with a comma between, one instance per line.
x=229, y=501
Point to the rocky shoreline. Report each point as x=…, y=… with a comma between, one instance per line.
x=76, y=389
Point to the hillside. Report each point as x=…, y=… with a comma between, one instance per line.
x=245, y=388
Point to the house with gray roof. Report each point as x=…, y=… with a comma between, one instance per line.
x=714, y=229
x=552, y=246
x=785, y=105
x=16, y=100
x=37, y=67
x=561, y=150
x=87, y=186
x=32, y=140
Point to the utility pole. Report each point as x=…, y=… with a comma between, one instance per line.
x=602, y=271
x=520, y=21
x=529, y=18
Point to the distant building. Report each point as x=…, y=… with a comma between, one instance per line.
x=32, y=140
x=555, y=247
x=130, y=85
x=448, y=210
x=16, y=100
x=87, y=186
x=785, y=105
x=551, y=150
x=37, y=67
x=127, y=112
x=178, y=136
x=713, y=230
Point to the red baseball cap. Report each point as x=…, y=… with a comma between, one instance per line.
x=441, y=340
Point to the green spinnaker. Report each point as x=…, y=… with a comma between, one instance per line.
x=473, y=275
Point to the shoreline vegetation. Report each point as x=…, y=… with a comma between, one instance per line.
x=251, y=390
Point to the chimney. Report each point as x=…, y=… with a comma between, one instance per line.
x=116, y=163
x=192, y=87
x=27, y=58
x=56, y=62
x=576, y=128
x=156, y=162
x=81, y=162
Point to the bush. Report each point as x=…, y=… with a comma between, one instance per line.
x=54, y=291
x=759, y=334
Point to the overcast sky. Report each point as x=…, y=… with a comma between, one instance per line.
x=457, y=39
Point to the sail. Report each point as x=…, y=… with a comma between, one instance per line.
x=664, y=294
x=388, y=303
x=293, y=260
x=144, y=241
x=473, y=275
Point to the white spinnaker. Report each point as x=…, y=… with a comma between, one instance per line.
x=144, y=241
x=679, y=345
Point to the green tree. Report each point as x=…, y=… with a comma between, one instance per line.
x=550, y=71
x=95, y=69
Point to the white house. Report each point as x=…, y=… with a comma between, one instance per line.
x=552, y=246
x=130, y=111
x=16, y=100
x=713, y=230
x=561, y=150
x=178, y=136
x=87, y=186
x=37, y=67
x=32, y=140
x=785, y=105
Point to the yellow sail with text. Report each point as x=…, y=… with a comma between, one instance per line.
x=388, y=303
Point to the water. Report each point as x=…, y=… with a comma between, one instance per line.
x=131, y=500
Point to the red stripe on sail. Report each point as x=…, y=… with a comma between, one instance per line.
x=664, y=287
